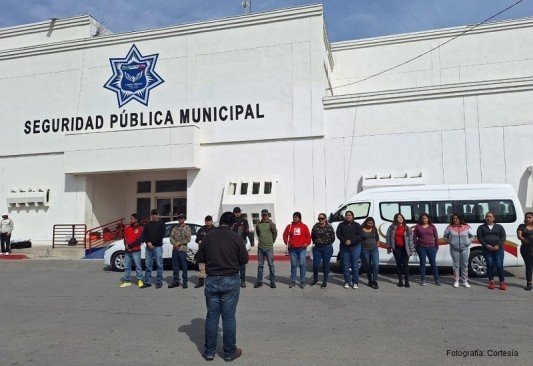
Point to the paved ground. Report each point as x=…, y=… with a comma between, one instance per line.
x=73, y=313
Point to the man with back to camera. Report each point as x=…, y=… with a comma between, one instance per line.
x=6, y=227
x=154, y=232
x=200, y=235
x=223, y=253
x=242, y=228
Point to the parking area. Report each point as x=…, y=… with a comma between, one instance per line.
x=65, y=312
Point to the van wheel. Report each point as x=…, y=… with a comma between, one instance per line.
x=477, y=266
x=117, y=261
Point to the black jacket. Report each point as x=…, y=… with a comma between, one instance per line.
x=154, y=232
x=223, y=252
x=350, y=231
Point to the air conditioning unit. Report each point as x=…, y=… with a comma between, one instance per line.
x=17, y=197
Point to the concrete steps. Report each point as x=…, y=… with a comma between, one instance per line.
x=51, y=253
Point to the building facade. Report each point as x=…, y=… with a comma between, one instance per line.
x=257, y=111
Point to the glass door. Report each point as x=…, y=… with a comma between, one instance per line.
x=169, y=208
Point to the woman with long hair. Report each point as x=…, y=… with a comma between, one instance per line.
x=525, y=235
x=426, y=241
x=323, y=237
x=400, y=243
x=297, y=237
x=370, y=251
x=458, y=236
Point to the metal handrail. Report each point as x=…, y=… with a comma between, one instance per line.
x=101, y=235
x=71, y=235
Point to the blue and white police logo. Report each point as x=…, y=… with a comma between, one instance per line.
x=133, y=77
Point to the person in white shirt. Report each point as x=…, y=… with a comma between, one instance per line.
x=6, y=227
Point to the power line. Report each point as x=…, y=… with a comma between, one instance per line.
x=429, y=51
x=413, y=14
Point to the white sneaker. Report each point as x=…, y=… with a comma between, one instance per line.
x=7, y=253
x=346, y=285
x=466, y=284
x=355, y=286
x=456, y=284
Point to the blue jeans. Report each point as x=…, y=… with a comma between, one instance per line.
x=494, y=258
x=298, y=260
x=269, y=254
x=372, y=262
x=221, y=298
x=350, y=259
x=149, y=258
x=242, y=272
x=431, y=253
x=136, y=258
x=322, y=253
x=179, y=259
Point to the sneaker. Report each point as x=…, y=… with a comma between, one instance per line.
x=258, y=284
x=238, y=353
x=437, y=283
x=456, y=284
x=314, y=282
x=174, y=284
x=272, y=285
x=7, y=253
x=355, y=286
x=125, y=284
x=407, y=284
x=422, y=283
x=466, y=284
x=292, y=285
x=492, y=285
x=140, y=283
x=503, y=286
x=302, y=285
x=346, y=285
x=528, y=287
x=145, y=285
x=158, y=285
x=324, y=285
x=185, y=285
x=375, y=285
x=209, y=357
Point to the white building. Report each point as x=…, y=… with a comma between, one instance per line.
x=257, y=111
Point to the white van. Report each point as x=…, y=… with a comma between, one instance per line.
x=472, y=201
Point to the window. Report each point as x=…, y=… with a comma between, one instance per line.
x=178, y=185
x=359, y=209
x=144, y=187
x=268, y=187
x=475, y=211
x=232, y=188
x=411, y=211
x=255, y=219
x=255, y=188
x=244, y=188
x=442, y=212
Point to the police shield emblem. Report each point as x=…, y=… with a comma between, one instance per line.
x=133, y=76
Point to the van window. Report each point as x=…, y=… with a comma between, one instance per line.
x=442, y=212
x=359, y=209
x=411, y=211
x=474, y=211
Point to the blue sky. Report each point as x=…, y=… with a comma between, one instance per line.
x=345, y=19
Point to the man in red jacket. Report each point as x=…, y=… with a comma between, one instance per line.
x=133, y=236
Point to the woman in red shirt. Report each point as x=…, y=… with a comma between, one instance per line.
x=400, y=243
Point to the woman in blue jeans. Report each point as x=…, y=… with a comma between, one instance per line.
x=492, y=238
x=349, y=234
x=323, y=237
x=370, y=251
x=426, y=241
